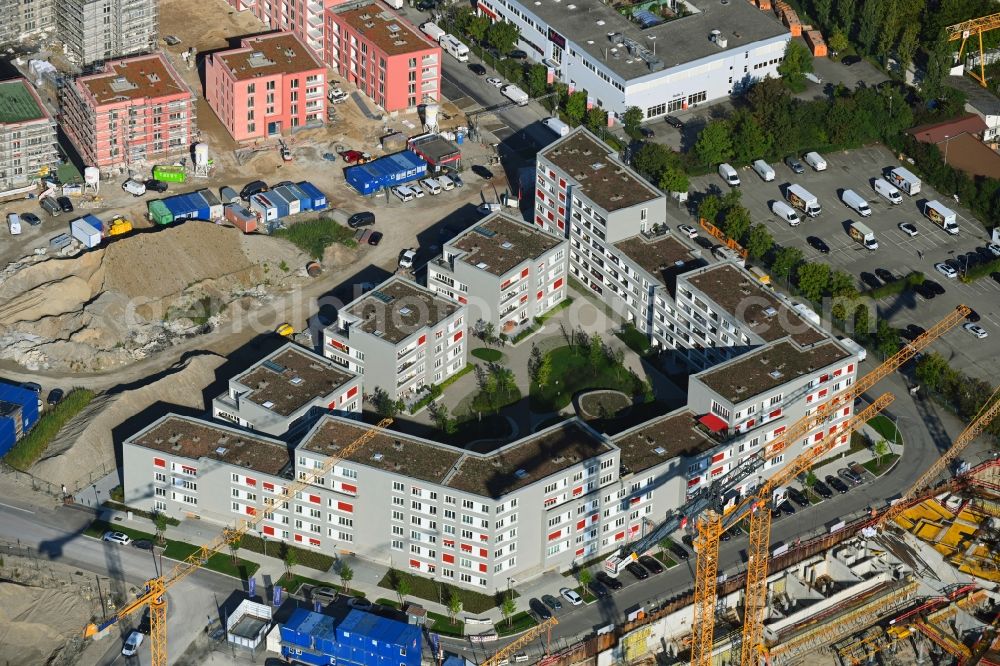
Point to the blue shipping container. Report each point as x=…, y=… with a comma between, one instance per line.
x=294, y=205
x=318, y=198
x=28, y=402
x=188, y=207
x=305, y=201
x=369, y=640
x=386, y=171
x=8, y=436
x=278, y=201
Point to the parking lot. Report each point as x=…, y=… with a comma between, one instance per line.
x=898, y=253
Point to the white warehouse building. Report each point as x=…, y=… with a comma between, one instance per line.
x=717, y=50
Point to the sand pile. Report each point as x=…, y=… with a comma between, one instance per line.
x=36, y=623
x=106, y=308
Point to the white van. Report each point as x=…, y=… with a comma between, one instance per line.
x=729, y=175
x=889, y=191
x=403, y=192
x=763, y=170
x=14, y=223
x=446, y=183
x=557, y=126
x=815, y=160
x=786, y=213
x=430, y=186
x=857, y=202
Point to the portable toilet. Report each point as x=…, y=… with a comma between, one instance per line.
x=158, y=212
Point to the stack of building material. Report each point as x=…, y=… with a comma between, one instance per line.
x=814, y=38
x=789, y=17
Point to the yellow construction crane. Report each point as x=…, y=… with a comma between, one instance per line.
x=967, y=29
x=156, y=588
x=525, y=638
x=710, y=526
x=983, y=419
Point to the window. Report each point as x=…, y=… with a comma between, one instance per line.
x=397, y=486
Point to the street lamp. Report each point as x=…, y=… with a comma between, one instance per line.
x=947, y=140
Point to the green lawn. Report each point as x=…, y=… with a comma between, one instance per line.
x=486, y=403
x=884, y=426
x=879, y=470
x=665, y=559
x=424, y=588
x=305, y=557
x=573, y=372
x=314, y=236
x=487, y=354
x=636, y=340
x=587, y=596
x=31, y=447
x=518, y=622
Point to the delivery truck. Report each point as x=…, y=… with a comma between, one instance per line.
x=800, y=197
x=941, y=216
x=433, y=31
x=88, y=230
x=904, y=180
x=862, y=233
x=515, y=94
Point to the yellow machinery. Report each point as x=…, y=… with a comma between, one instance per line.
x=156, y=588
x=710, y=526
x=967, y=29
x=119, y=226
x=506, y=651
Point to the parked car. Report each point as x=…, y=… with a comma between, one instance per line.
x=551, y=602
x=143, y=544
x=786, y=508
x=908, y=228
x=117, y=537
x=822, y=490
x=406, y=258
x=870, y=280
x=688, y=230
x=55, y=396
x=836, y=484
x=252, y=188
x=798, y=497
x=482, y=172
x=994, y=249
x=793, y=163
x=996, y=276
x=154, y=185
x=31, y=218
x=885, y=275
x=976, y=330
x=359, y=603
x=847, y=61
x=924, y=290
x=132, y=644
x=495, y=82
x=455, y=178
x=571, y=596
x=651, y=563
x=134, y=187
x=35, y=387
x=674, y=122
x=946, y=270
x=849, y=476
x=403, y=193
x=680, y=551
x=337, y=96
x=477, y=69
x=637, y=570
x=935, y=287
x=609, y=580
x=355, y=156
x=518, y=54
x=540, y=609
x=363, y=219
x=375, y=238
x=912, y=332
x=598, y=590
x=65, y=205
x=818, y=244
x=646, y=133
x=50, y=206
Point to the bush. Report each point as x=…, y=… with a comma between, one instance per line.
x=898, y=287
x=31, y=447
x=518, y=622
x=435, y=390
x=425, y=588
x=488, y=355
x=304, y=557
x=982, y=270
x=314, y=236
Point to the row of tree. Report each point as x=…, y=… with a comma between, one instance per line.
x=961, y=393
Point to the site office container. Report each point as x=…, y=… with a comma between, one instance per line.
x=24, y=398
x=241, y=218
x=319, y=201
x=191, y=206
x=266, y=210
x=215, y=210
x=305, y=201
x=291, y=200
x=158, y=212
x=395, y=169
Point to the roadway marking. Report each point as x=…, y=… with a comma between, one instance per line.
x=16, y=508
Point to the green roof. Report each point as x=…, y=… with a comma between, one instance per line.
x=17, y=104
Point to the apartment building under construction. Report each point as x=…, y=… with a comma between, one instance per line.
x=23, y=19
x=27, y=135
x=96, y=30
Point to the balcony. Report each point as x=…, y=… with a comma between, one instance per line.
x=316, y=20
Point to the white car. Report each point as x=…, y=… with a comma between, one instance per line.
x=132, y=644
x=495, y=82
x=337, y=96
x=946, y=270
x=976, y=330
x=406, y=261
x=908, y=228
x=571, y=596
x=403, y=192
x=117, y=537
x=688, y=230
x=994, y=248
x=134, y=187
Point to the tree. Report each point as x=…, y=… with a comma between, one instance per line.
x=841, y=284
x=939, y=60
x=653, y=159
x=736, y=223
x=797, y=62
x=596, y=351
x=886, y=338
x=234, y=547
x=862, y=321
x=631, y=120
x=846, y=11
x=290, y=557
x=871, y=23
x=749, y=139
x=488, y=333
x=346, y=574
x=454, y=606
x=403, y=588
x=786, y=260
x=508, y=608
x=759, y=241
x=813, y=279
x=710, y=207
x=385, y=406
x=673, y=179
x=544, y=371
x=161, y=523
x=534, y=362
x=502, y=36
x=576, y=107
x=439, y=414
x=931, y=371
x=907, y=45
x=619, y=361
x=477, y=27
x=585, y=577
x=838, y=41
x=714, y=145
x=665, y=543
x=538, y=79
x=823, y=9
x=810, y=479
x=597, y=120
x=880, y=451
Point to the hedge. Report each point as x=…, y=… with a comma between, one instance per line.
x=973, y=273
x=434, y=391
x=305, y=557
x=898, y=286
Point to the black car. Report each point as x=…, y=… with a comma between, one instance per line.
x=985, y=254
x=704, y=242
x=363, y=219
x=817, y=244
x=598, y=590
x=912, y=332
x=375, y=238
x=31, y=218
x=426, y=5
x=924, y=290
x=674, y=122
x=156, y=185
x=776, y=513
x=870, y=280
x=540, y=609
x=651, y=563
x=50, y=206
x=822, y=490
x=798, y=497
x=252, y=188
x=143, y=544
x=482, y=171
x=518, y=54
x=935, y=287
x=646, y=132
x=65, y=205
x=680, y=551
x=850, y=60
x=996, y=276
x=786, y=508
x=477, y=69
x=609, y=581
x=637, y=570
x=973, y=316
x=885, y=275
x=55, y=395
x=836, y=484
x=551, y=602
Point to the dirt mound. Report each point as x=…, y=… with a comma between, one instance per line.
x=36, y=623
x=114, y=305
x=87, y=443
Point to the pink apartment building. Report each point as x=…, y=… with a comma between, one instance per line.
x=384, y=56
x=138, y=110
x=303, y=18
x=270, y=85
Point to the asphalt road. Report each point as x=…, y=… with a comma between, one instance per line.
x=57, y=535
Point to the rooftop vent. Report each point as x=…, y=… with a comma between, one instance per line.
x=741, y=389
x=482, y=265
x=404, y=311
x=776, y=374
x=769, y=312
x=660, y=451
x=521, y=474
x=153, y=78
x=121, y=84
x=273, y=366
x=377, y=457
x=289, y=53
x=221, y=451
x=296, y=381
x=506, y=245
x=719, y=40
x=597, y=166
x=392, y=28
x=267, y=404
